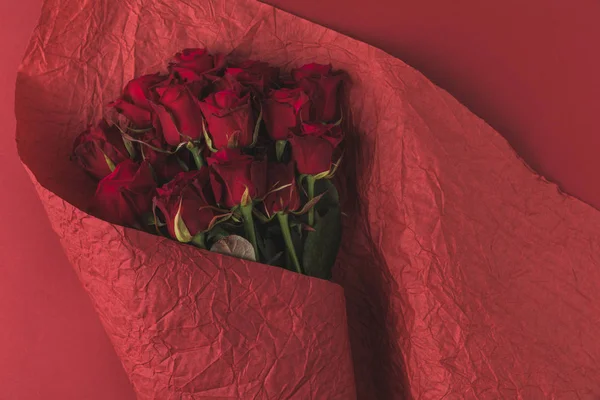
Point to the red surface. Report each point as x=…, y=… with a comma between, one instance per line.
x=52, y=345
x=528, y=69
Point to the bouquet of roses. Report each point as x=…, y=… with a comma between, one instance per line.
x=198, y=177
x=226, y=156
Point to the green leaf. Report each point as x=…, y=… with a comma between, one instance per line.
x=339, y=121
x=150, y=219
x=310, y=204
x=280, y=146
x=322, y=244
x=246, y=199
x=207, y=137
x=199, y=240
x=330, y=198
x=109, y=162
x=181, y=231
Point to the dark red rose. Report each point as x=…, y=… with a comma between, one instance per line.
x=192, y=64
x=134, y=103
x=312, y=149
x=99, y=149
x=165, y=165
x=189, y=197
x=256, y=75
x=178, y=112
x=124, y=196
x=233, y=173
x=323, y=88
x=200, y=88
x=283, y=193
x=284, y=109
x=230, y=119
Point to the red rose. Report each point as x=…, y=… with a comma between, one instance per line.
x=165, y=165
x=283, y=193
x=99, y=149
x=253, y=74
x=230, y=119
x=192, y=64
x=125, y=195
x=312, y=150
x=134, y=103
x=178, y=112
x=200, y=88
x=283, y=109
x=233, y=173
x=189, y=197
x=323, y=89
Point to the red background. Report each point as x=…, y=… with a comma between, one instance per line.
x=528, y=68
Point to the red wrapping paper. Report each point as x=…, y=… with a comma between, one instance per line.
x=465, y=274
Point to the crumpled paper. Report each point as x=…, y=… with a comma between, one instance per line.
x=465, y=274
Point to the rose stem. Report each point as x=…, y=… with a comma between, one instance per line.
x=287, y=237
x=197, y=158
x=249, y=227
x=310, y=181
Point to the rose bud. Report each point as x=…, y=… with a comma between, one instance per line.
x=99, y=149
x=178, y=112
x=253, y=74
x=187, y=204
x=229, y=118
x=312, y=150
x=323, y=88
x=232, y=174
x=124, y=196
x=192, y=64
x=283, y=193
x=134, y=103
x=284, y=109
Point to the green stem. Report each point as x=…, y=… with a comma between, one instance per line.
x=196, y=154
x=280, y=149
x=310, y=182
x=249, y=227
x=199, y=240
x=287, y=237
